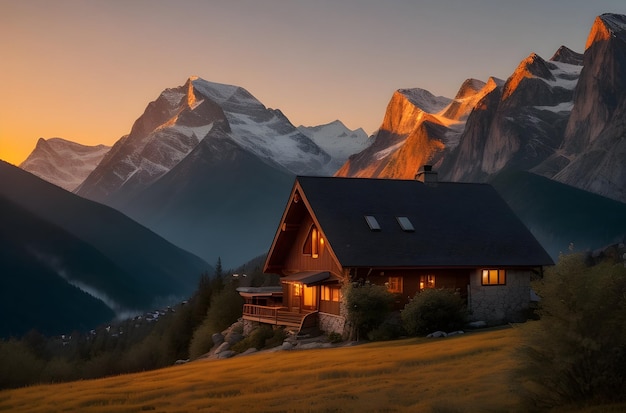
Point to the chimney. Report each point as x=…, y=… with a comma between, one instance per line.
x=426, y=175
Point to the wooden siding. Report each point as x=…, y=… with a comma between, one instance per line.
x=297, y=261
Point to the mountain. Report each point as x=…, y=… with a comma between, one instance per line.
x=50, y=235
x=591, y=155
x=336, y=140
x=63, y=163
x=417, y=129
x=173, y=125
x=561, y=216
x=209, y=167
x=561, y=118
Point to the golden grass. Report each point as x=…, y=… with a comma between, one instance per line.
x=465, y=373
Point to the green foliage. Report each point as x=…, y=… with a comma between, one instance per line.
x=578, y=354
x=261, y=337
x=390, y=329
x=18, y=364
x=368, y=305
x=433, y=310
x=226, y=307
x=334, y=337
x=201, y=342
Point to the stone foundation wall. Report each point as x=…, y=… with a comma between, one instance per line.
x=498, y=304
x=331, y=323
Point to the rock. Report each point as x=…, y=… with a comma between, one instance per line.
x=314, y=344
x=477, y=324
x=437, y=334
x=217, y=339
x=225, y=346
x=286, y=346
x=233, y=337
x=178, y=362
x=226, y=354
x=249, y=351
x=454, y=333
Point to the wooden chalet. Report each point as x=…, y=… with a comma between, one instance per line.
x=406, y=234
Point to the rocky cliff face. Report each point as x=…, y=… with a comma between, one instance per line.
x=562, y=118
x=593, y=149
x=418, y=128
x=519, y=123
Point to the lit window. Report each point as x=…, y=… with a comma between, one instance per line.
x=372, y=222
x=313, y=243
x=494, y=277
x=297, y=290
x=394, y=285
x=405, y=224
x=427, y=281
x=331, y=294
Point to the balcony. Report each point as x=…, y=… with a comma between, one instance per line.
x=278, y=316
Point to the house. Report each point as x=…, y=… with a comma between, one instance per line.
x=406, y=234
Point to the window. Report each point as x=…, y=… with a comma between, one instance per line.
x=394, y=285
x=427, y=281
x=309, y=294
x=331, y=294
x=405, y=224
x=313, y=243
x=297, y=290
x=372, y=222
x=494, y=277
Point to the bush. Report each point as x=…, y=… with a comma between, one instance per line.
x=578, y=352
x=389, y=329
x=334, y=337
x=257, y=339
x=433, y=310
x=368, y=306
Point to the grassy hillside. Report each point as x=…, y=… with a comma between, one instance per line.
x=466, y=373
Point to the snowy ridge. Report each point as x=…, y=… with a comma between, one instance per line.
x=265, y=132
x=63, y=163
x=337, y=140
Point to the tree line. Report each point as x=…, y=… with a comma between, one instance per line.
x=137, y=344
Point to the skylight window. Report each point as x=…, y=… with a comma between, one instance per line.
x=372, y=222
x=405, y=224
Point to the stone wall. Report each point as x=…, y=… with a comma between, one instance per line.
x=331, y=323
x=498, y=304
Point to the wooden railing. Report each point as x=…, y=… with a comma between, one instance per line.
x=272, y=315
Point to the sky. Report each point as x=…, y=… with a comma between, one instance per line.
x=85, y=70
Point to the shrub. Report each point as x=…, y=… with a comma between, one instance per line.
x=334, y=337
x=434, y=310
x=389, y=329
x=257, y=339
x=578, y=353
x=368, y=305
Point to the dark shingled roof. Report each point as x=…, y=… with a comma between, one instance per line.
x=456, y=224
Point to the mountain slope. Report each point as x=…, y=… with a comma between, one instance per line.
x=418, y=128
x=208, y=166
x=220, y=201
x=42, y=267
x=337, y=140
x=145, y=270
x=63, y=163
x=172, y=126
x=561, y=215
x=593, y=149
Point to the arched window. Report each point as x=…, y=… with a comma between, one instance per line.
x=313, y=243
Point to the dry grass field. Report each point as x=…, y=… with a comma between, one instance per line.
x=473, y=372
